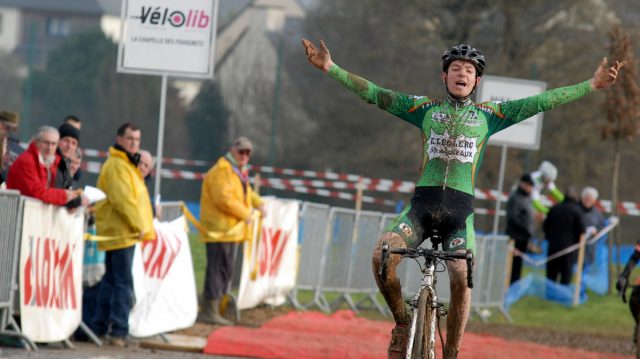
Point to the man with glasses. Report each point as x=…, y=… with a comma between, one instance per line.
x=34, y=172
x=126, y=217
x=226, y=203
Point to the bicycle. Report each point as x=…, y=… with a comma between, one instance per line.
x=425, y=308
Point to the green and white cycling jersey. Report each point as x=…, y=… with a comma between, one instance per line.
x=455, y=134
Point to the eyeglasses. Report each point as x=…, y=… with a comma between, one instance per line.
x=245, y=152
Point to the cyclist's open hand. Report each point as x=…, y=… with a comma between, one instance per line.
x=319, y=58
x=606, y=76
x=621, y=286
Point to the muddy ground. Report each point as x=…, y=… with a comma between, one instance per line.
x=255, y=317
x=589, y=342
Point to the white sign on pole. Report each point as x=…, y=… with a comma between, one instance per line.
x=168, y=37
x=525, y=134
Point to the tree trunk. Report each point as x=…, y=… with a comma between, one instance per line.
x=614, y=212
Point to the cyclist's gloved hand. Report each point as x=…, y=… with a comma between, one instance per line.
x=621, y=286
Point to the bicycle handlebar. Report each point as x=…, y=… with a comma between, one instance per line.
x=427, y=253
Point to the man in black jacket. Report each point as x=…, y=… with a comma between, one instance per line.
x=563, y=227
x=520, y=221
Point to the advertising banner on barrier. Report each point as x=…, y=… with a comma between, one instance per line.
x=270, y=263
x=50, y=271
x=164, y=283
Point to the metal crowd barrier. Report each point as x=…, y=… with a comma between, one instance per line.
x=11, y=208
x=170, y=211
x=335, y=257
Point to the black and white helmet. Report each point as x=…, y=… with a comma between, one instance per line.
x=466, y=53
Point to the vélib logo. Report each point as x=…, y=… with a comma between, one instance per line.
x=160, y=16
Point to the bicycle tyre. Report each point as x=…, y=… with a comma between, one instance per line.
x=426, y=312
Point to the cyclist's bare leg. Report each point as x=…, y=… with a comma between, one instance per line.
x=458, y=308
x=392, y=292
x=390, y=285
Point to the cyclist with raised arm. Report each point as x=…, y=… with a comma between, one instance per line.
x=454, y=135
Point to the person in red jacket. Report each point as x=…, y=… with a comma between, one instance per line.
x=33, y=172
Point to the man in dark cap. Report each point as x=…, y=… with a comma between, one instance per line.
x=520, y=221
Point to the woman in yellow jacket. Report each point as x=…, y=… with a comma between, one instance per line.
x=226, y=203
x=126, y=217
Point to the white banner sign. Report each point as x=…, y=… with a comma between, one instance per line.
x=164, y=283
x=168, y=36
x=525, y=134
x=270, y=264
x=50, y=272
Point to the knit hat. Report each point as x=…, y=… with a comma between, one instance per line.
x=66, y=130
x=10, y=118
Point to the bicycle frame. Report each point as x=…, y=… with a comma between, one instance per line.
x=428, y=283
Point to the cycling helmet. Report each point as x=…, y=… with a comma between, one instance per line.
x=548, y=171
x=466, y=53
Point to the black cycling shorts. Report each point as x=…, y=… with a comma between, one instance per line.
x=436, y=210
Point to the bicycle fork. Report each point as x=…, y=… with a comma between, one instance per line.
x=427, y=284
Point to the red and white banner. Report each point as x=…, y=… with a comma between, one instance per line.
x=270, y=260
x=50, y=271
x=164, y=283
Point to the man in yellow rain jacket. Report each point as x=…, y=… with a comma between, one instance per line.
x=226, y=204
x=126, y=217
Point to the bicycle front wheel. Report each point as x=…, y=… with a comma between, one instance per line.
x=424, y=341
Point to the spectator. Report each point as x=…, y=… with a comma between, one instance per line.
x=563, y=227
x=75, y=122
x=544, y=178
x=146, y=164
x=34, y=171
x=593, y=219
x=126, y=217
x=226, y=200
x=146, y=167
x=520, y=221
x=74, y=165
x=9, y=121
x=67, y=145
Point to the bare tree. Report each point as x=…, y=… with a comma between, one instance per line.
x=622, y=109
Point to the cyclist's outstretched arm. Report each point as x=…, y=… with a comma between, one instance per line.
x=404, y=106
x=511, y=112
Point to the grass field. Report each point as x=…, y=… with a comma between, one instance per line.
x=606, y=315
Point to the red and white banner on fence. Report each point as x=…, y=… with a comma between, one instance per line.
x=51, y=254
x=270, y=260
x=164, y=283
